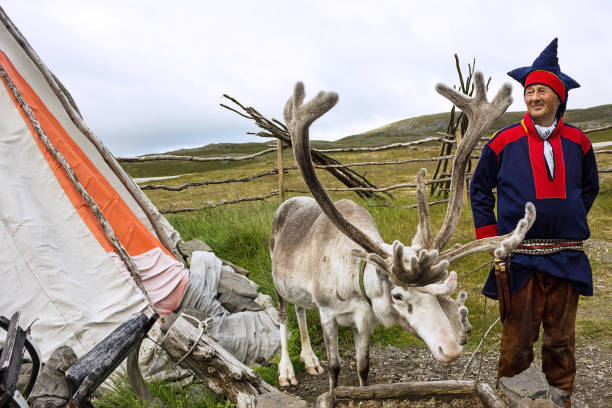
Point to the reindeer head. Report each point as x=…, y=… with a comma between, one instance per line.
x=413, y=271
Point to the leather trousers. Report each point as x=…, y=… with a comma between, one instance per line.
x=551, y=302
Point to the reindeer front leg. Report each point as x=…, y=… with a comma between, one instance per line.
x=330, y=334
x=362, y=351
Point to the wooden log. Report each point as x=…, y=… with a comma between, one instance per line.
x=155, y=157
x=12, y=355
x=208, y=182
x=281, y=173
x=94, y=367
x=220, y=371
x=399, y=390
x=597, y=129
x=379, y=148
x=488, y=396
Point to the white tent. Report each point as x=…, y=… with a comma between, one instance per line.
x=56, y=263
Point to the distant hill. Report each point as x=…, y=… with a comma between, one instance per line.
x=396, y=132
x=409, y=129
x=429, y=125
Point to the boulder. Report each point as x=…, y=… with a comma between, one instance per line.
x=235, y=303
x=530, y=389
x=239, y=283
x=275, y=400
x=51, y=389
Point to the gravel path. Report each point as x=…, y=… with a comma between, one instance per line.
x=390, y=364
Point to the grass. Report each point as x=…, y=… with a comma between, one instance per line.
x=240, y=234
x=165, y=395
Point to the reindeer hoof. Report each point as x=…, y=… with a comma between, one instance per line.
x=293, y=381
x=320, y=369
x=311, y=371
x=283, y=382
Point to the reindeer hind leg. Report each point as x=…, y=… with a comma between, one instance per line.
x=313, y=367
x=286, y=375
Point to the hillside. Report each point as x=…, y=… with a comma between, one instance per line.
x=410, y=129
x=400, y=131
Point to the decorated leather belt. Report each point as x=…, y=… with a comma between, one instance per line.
x=547, y=246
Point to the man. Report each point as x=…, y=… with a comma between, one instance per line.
x=552, y=164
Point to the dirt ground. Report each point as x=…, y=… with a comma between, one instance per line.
x=389, y=364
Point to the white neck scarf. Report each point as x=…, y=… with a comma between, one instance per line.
x=545, y=132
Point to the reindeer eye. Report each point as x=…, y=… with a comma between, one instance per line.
x=397, y=296
x=409, y=307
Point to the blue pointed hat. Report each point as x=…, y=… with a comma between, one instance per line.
x=546, y=70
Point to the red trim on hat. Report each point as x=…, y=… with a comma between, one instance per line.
x=549, y=79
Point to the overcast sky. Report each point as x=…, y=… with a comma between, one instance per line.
x=148, y=75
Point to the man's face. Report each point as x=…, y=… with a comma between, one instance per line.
x=542, y=104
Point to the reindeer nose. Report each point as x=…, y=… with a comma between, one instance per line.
x=451, y=352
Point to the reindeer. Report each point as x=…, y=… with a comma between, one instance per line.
x=331, y=257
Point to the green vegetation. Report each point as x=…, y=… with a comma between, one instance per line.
x=166, y=396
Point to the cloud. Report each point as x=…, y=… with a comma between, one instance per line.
x=148, y=76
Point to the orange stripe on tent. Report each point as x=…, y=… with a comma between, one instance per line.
x=132, y=233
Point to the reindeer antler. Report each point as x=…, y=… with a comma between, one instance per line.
x=299, y=117
x=481, y=115
x=502, y=244
x=420, y=264
x=412, y=268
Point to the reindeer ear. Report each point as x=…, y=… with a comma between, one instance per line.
x=445, y=288
x=382, y=268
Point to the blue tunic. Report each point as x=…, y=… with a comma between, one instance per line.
x=513, y=161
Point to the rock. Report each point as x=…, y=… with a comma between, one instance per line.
x=187, y=248
x=275, y=400
x=234, y=303
x=265, y=300
x=51, y=389
x=558, y=396
x=239, y=283
x=531, y=384
x=24, y=376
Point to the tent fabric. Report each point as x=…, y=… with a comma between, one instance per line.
x=58, y=267
x=252, y=337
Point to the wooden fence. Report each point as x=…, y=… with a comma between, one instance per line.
x=281, y=171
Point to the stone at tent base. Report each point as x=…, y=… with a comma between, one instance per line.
x=239, y=283
x=51, y=389
x=539, y=403
x=275, y=400
x=531, y=386
x=235, y=303
x=187, y=248
x=24, y=376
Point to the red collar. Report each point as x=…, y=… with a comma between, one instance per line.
x=530, y=129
